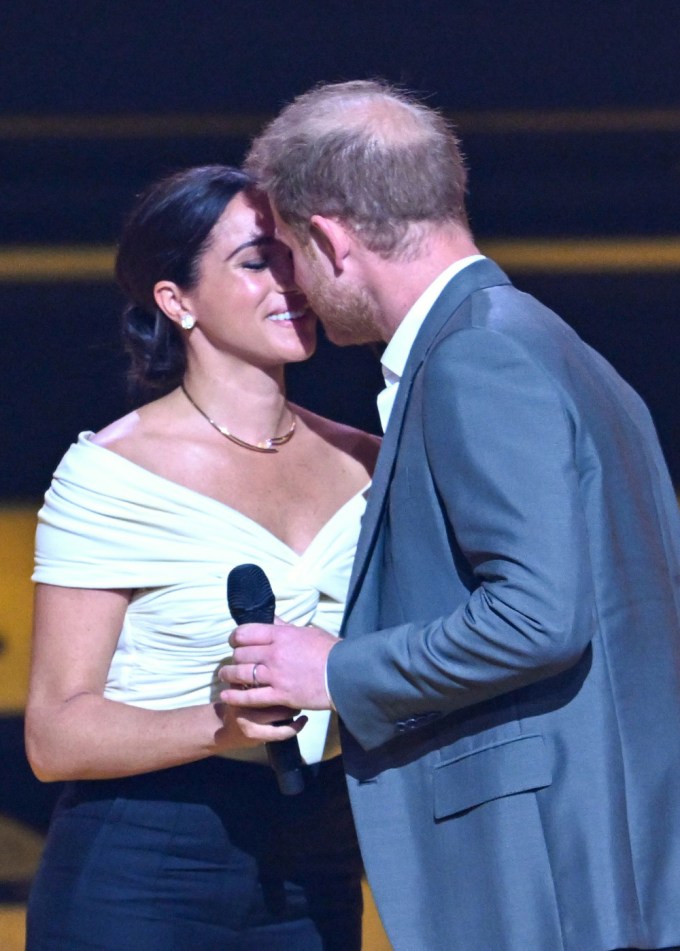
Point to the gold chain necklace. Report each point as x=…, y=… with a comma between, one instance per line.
x=269, y=445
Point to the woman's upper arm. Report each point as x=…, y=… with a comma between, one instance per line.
x=75, y=632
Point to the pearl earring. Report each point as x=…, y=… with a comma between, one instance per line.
x=187, y=321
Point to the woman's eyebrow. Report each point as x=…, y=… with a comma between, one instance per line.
x=253, y=243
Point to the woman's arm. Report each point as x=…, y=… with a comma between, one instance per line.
x=73, y=732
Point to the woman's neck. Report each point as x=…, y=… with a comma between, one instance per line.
x=250, y=403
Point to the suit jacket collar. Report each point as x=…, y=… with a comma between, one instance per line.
x=477, y=276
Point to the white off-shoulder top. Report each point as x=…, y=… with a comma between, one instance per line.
x=109, y=523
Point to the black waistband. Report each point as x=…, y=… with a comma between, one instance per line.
x=211, y=778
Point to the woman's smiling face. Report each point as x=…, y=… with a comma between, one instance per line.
x=244, y=301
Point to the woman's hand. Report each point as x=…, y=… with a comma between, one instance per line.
x=249, y=727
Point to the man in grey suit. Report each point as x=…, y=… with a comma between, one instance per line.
x=509, y=676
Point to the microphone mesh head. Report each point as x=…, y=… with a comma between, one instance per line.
x=250, y=595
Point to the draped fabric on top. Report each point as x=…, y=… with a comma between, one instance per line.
x=109, y=523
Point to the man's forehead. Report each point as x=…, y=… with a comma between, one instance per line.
x=282, y=230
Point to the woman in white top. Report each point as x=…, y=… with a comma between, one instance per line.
x=171, y=831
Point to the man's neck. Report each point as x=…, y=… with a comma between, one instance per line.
x=396, y=284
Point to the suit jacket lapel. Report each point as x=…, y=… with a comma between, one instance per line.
x=475, y=277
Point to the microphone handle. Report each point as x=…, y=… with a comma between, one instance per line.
x=284, y=756
x=286, y=761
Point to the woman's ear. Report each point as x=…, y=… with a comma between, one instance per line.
x=331, y=238
x=170, y=299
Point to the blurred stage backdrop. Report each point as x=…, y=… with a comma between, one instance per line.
x=570, y=118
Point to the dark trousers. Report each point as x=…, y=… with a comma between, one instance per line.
x=207, y=856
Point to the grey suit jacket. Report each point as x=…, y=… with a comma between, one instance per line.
x=509, y=677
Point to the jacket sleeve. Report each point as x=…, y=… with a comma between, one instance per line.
x=499, y=433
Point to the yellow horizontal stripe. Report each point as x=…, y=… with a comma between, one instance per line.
x=92, y=263
x=572, y=121
x=243, y=126
x=130, y=126
x=56, y=263
x=587, y=255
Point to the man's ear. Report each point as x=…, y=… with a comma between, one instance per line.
x=331, y=238
x=170, y=299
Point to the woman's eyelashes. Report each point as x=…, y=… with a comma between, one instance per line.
x=278, y=259
x=260, y=264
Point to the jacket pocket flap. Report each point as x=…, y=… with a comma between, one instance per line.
x=506, y=768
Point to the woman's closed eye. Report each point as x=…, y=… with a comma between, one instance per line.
x=260, y=264
x=277, y=258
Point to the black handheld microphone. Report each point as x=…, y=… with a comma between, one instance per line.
x=251, y=601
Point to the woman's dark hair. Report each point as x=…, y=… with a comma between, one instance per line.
x=163, y=238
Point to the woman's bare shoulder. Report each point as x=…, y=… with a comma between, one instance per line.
x=119, y=431
x=137, y=434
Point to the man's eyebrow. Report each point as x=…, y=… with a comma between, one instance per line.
x=253, y=243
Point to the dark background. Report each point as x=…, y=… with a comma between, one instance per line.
x=559, y=168
x=570, y=117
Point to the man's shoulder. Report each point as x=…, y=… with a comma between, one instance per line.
x=506, y=309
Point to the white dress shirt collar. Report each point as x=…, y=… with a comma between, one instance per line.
x=398, y=349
